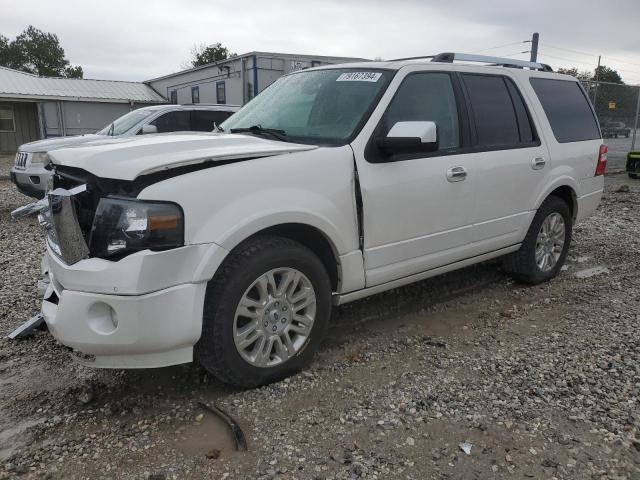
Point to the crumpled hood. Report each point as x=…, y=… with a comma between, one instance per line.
x=49, y=144
x=129, y=157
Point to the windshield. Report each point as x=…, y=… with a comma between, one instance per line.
x=317, y=106
x=125, y=122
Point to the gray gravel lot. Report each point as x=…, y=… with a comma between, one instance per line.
x=543, y=382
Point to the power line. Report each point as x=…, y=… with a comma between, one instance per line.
x=593, y=55
x=585, y=63
x=500, y=46
x=516, y=53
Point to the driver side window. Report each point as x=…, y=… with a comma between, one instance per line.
x=178, y=121
x=426, y=97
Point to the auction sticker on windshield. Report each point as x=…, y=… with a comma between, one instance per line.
x=359, y=77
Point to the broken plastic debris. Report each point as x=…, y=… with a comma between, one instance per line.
x=236, y=431
x=590, y=272
x=27, y=327
x=465, y=447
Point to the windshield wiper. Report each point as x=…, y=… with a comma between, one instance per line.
x=258, y=130
x=110, y=132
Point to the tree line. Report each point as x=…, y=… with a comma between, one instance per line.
x=37, y=52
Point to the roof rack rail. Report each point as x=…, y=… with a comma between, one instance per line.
x=503, y=62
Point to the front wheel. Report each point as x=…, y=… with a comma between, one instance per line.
x=546, y=245
x=265, y=312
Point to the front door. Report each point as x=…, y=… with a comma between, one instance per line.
x=417, y=207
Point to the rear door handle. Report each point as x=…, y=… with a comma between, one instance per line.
x=456, y=174
x=538, y=163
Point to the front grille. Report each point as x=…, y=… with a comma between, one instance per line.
x=21, y=160
x=65, y=236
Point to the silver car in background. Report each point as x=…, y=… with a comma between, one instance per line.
x=30, y=175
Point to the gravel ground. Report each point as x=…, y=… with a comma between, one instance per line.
x=6, y=162
x=534, y=382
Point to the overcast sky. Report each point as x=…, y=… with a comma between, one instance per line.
x=139, y=39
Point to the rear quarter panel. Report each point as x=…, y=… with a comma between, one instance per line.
x=572, y=164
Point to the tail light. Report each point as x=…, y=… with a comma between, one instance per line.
x=602, y=160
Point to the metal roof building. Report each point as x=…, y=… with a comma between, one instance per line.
x=33, y=107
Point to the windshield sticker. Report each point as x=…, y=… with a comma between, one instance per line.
x=359, y=77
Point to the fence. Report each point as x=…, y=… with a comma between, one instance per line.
x=618, y=109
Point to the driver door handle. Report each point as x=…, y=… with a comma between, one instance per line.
x=456, y=174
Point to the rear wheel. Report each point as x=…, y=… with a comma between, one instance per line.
x=545, y=247
x=265, y=312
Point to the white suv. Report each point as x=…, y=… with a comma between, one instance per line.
x=333, y=184
x=30, y=174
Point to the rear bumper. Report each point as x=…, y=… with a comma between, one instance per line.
x=32, y=181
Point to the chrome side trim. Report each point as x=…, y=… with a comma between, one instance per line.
x=366, y=292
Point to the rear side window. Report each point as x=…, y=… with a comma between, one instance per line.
x=492, y=110
x=567, y=108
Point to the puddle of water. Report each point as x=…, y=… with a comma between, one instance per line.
x=199, y=438
x=591, y=272
x=8, y=437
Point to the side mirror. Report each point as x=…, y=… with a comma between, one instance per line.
x=149, y=129
x=410, y=137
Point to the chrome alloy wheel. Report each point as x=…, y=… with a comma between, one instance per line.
x=274, y=317
x=550, y=242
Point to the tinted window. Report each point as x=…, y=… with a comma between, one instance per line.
x=426, y=97
x=492, y=110
x=202, y=121
x=567, y=109
x=525, y=127
x=173, y=122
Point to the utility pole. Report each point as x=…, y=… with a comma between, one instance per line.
x=635, y=123
x=534, y=47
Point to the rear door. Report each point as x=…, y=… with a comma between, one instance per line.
x=512, y=164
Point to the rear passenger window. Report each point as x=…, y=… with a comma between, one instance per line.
x=492, y=110
x=567, y=108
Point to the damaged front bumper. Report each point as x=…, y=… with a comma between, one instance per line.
x=143, y=330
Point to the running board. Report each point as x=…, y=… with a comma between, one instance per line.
x=340, y=299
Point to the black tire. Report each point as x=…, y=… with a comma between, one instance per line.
x=522, y=264
x=216, y=350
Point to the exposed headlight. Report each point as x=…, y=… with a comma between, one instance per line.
x=122, y=226
x=40, y=157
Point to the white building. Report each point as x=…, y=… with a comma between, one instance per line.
x=236, y=80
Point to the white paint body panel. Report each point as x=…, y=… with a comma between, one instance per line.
x=416, y=223
x=131, y=157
